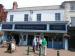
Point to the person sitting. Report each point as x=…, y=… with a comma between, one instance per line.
x=13, y=47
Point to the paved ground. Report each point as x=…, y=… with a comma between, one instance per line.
x=22, y=51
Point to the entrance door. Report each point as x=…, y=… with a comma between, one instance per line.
x=30, y=39
x=72, y=43
x=49, y=42
x=25, y=40
x=58, y=43
x=16, y=37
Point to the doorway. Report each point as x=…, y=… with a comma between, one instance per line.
x=72, y=43
x=30, y=39
x=16, y=37
x=58, y=43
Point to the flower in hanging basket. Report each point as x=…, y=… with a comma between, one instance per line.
x=1, y=33
x=66, y=36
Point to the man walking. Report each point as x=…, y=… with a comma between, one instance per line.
x=44, y=46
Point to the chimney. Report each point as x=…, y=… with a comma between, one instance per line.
x=15, y=5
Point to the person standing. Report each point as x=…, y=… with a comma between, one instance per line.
x=40, y=41
x=34, y=43
x=44, y=46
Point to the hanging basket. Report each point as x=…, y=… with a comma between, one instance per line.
x=1, y=33
x=66, y=36
x=11, y=33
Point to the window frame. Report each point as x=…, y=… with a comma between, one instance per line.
x=11, y=18
x=26, y=16
x=57, y=16
x=39, y=17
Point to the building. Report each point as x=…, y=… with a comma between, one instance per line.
x=23, y=24
x=69, y=7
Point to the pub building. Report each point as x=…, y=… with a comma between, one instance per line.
x=23, y=24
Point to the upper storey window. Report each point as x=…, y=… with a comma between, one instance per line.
x=72, y=6
x=25, y=17
x=38, y=17
x=11, y=17
x=57, y=16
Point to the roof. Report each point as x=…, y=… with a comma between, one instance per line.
x=54, y=7
x=68, y=2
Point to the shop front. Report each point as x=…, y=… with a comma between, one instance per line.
x=24, y=32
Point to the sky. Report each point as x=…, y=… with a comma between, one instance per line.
x=30, y=3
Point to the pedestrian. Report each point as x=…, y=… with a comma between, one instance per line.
x=34, y=43
x=44, y=46
x=39, y=41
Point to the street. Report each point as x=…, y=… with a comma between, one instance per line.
x=22, y=51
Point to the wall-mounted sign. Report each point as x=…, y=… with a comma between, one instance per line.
x=7, y=26
x=57, y=27
x=31, y=26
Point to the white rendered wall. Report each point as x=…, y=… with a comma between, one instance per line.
x=46, y=15
x=18, y=16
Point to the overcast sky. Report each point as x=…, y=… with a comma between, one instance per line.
x=29, y=3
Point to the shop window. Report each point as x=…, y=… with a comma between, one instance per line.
x=24, y=37
x=58, y=39
x=49, y=39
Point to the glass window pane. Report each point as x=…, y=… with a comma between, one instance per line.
x=25, y=17
x=24, y=37
x=11, y=17
x=38, y=17
x=57, y=16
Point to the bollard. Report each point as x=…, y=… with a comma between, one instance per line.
x=57, y=53
x=40, y=51
x=28, y=50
